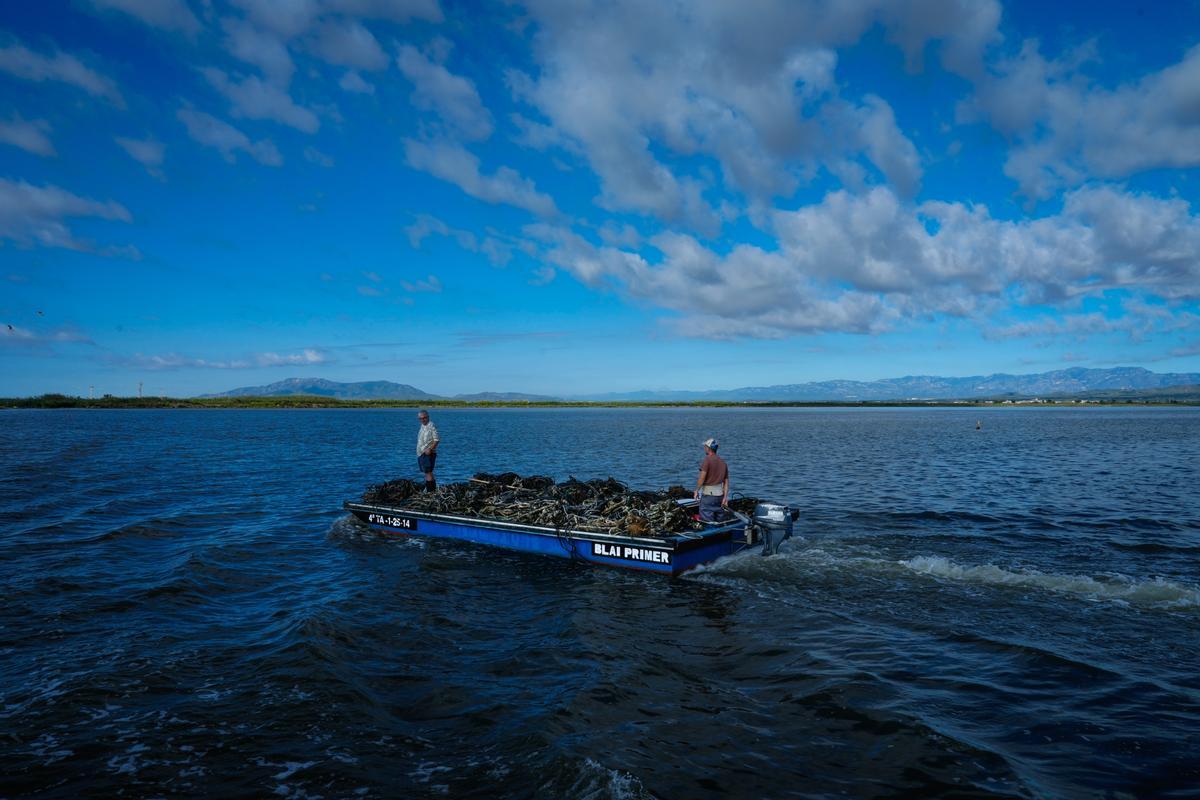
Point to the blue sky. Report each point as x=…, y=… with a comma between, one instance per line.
x=576, y=197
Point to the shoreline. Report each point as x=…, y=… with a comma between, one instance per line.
x=304, y=401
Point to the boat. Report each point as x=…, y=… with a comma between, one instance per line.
x=670, y=554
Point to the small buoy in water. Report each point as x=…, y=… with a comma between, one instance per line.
x=978, y=424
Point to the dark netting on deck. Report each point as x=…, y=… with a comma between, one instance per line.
x=604, y=505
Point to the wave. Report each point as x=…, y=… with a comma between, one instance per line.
x=1154, y=592
x=348, y=529
x=1153, y=547
x=809, y=565
x=1136, y=523
x=594, y=781
x=930, y=515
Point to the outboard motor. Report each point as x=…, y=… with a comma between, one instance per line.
x=774, y=520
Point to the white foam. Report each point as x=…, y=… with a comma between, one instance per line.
x=426, y=770
x=1153, y=592
x=290, y=768
x=803, y=564
x=603, y=782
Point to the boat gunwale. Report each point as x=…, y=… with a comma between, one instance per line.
x=674, y=542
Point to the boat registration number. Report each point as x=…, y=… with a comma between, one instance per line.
x=405, y=523
x=629, y=553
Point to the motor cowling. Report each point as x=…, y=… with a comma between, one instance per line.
x=774, y=521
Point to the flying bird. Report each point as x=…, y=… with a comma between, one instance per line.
x=41, y=313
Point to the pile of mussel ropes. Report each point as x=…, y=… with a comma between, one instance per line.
x=601, y=505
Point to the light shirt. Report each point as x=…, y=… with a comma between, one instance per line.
x=426, y=436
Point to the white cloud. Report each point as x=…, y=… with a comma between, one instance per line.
x=263, y=49
x=543, y=276
x=539, y=136
x=886, y=147
x=287, y=18
x=1139, y=241
x=452, y=163
x=863, y=263
x=1192, y=348
x=452, y=97
x=498, y=251
x=353, y=82
x=1067, y=130
x=209, y=131
x=147, y=152
x=430, y=284
x=1074, y=325
x=17, y=337
x=35, y=215
x=168, y=15
x=307, y=356
x=170, y=361
x=642, y=88
x=254, y=98
x=594, y=266
x=427, y=225
x=315, y=156
x=1102, y=239
x=18, y=60
x=290, y=19
x=1131, y=317
x=347, y=43
x=623, y=235
x=392, y=10
x=29, y=135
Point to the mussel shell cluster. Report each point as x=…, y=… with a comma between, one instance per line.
x=604, y=505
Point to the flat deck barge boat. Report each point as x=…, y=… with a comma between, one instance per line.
x=670, y=554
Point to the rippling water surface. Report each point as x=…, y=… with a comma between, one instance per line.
x=1005, y=612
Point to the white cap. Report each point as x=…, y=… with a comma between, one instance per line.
x=710, y=443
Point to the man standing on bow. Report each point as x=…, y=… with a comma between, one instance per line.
x=712, y=487
x=427, y=444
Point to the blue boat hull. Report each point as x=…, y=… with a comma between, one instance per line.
x=671, y=555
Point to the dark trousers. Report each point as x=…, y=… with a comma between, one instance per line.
x=710, y=508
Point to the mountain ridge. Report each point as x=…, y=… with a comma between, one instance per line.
x=1055, y=383
x=365, y=390
x=1074, y=380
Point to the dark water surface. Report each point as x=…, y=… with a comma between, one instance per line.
x=1008, y=612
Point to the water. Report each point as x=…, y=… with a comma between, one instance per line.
x=1005, y=612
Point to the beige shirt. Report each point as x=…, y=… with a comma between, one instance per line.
x=426, y=436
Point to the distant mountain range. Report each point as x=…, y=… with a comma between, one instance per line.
x=1060, y=383
x=366, y=390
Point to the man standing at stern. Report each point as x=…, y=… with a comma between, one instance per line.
x=712, y=487
x=427, y=444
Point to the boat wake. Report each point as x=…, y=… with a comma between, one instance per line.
x=1151, y=592
x=807, y=564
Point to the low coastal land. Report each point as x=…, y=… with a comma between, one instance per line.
x=1188, y=396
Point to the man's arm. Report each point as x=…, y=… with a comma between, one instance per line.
x=725, y=491
x=700, y=480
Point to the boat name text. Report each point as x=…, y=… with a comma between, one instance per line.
x=628, y=553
